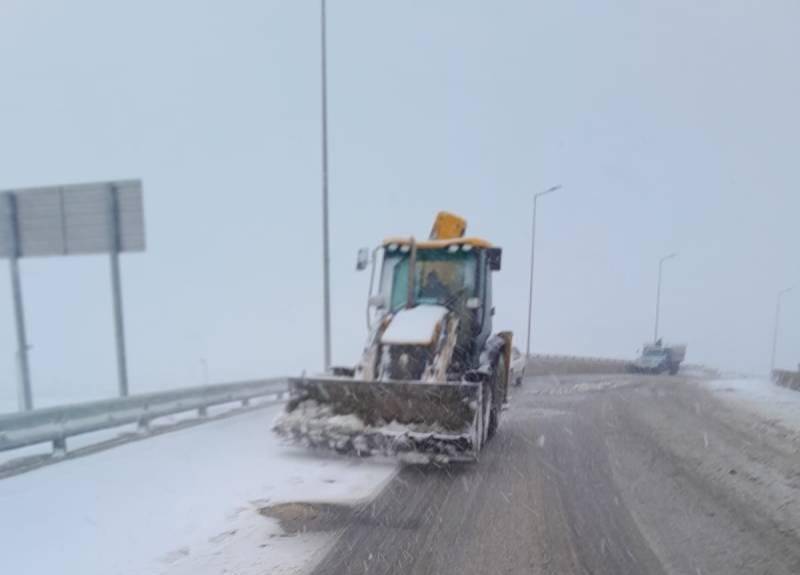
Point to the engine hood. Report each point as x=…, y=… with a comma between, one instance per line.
x=415, y=326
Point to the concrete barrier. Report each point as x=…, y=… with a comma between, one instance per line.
x=790, y=379
x=569, y=364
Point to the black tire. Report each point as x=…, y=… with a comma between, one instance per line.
x=496, y=382
x=486, y=409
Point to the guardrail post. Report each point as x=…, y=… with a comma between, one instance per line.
x=143, y=426
x=60, y=447
x=245, y=402
x=202, y=412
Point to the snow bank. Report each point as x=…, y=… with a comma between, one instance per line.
x=763, y=397
x=414, y=326
x=180, y=503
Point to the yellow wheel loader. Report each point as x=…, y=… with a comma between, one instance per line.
x=433, y=378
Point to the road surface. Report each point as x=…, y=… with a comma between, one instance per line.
x=594, y=475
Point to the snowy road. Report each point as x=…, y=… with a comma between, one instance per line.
x=588, y=474
x=604, y=475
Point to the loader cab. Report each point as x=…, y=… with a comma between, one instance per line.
x=445, y=277
x=454, y=273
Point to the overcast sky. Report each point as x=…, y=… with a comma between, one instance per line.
x=672, y=126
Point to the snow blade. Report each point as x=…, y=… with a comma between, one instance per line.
x=441, y=420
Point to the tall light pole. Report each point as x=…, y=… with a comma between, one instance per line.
x=658, y=292
x=533, y=253
x=775, y=331
x=326, y=258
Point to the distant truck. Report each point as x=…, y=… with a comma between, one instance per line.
x=659, y=358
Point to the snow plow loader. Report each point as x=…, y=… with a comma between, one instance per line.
x=433, y=378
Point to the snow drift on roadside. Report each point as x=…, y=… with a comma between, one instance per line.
x=183, y=502
x=761, y=396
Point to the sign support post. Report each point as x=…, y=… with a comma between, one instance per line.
x=116, y=289
x=24, y=395
x=75, y=219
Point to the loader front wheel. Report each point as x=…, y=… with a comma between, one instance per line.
x=498, y=378
x=488, y=402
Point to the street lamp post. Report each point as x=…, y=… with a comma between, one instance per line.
x=658, y=293
x=530, y=283
x=326, y=260
x=775, y=331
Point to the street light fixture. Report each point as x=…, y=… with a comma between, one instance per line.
x=658, y=292
x=775, y=331
x=533, y=253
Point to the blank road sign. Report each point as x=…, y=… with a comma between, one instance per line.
x=74, y=219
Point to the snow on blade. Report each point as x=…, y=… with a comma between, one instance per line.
x=309, y=414
x=315, y=425
x=414, y=326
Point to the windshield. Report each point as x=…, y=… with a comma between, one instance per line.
x=440, y=277
x=654, y=353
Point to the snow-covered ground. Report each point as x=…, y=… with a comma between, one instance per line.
x=762, y=397
x=181, y=503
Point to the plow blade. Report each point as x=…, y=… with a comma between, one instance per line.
x=439, y=420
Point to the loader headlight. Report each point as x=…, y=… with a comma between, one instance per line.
x=452, y=248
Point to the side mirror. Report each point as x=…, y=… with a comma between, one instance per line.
x=378, y=301
x=363, y=259
x=495, y=257
x=473, y=303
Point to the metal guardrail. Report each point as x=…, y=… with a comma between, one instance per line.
x=56, y=424
x=542, y=364
x=576, y=358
